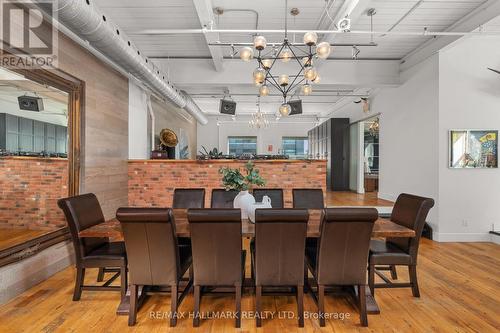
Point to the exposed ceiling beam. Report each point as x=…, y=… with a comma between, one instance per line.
x=204, y=9
x=479, y=16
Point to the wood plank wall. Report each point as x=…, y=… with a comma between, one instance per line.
x=105, y=125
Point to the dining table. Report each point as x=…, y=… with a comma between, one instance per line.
x=382, y=228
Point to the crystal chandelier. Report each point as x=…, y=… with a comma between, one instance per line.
x=259, y=119
x=302, y=54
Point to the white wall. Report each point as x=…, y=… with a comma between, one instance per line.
x=469, y=98
x=211, y=135
x=138, y=123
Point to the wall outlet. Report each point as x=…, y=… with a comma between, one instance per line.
x=465, y=223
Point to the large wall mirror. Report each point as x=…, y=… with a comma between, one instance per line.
x=39, y=158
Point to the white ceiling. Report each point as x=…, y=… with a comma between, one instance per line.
x=133, y=16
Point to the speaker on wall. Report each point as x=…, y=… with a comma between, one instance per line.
x=30, y=103
x=227, y=107
x=296, y=107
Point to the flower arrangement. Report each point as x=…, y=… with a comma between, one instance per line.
x=233, y=179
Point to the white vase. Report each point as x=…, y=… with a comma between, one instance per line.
x=266, y=203
x=243, y=201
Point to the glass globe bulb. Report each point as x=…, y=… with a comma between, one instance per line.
x=286, y=54
x=323, y=50
x=259, y=42
x=246, y=53
x=264, y=90
x=306, y=61
x=285, y=109
x=317, y=79
x=310, y=73
x=267, y=63
x=310, y=38
x=259, y=75
x=283, y=80
x=306, y=89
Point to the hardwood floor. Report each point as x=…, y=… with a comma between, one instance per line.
x=459, y=284
x=355, y=199
x=11, y=237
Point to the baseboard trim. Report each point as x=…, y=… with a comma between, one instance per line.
x=22, y=275
x=462, y=237
x=495, y=237
x=387, y=196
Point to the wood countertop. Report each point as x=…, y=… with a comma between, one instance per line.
x=222, y=161
x=36, y=158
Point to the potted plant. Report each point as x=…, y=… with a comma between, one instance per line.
x=233, y=179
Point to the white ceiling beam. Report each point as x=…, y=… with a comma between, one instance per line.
x=479, y=16
x=349, y=73
x=204, y=9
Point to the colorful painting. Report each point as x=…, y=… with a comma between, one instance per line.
x=473, y=149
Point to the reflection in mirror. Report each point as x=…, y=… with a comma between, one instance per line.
x=33, y=158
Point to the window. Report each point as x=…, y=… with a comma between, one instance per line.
x=295, y=147
x=238, y=145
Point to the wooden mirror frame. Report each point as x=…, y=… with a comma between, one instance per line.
x=76, y=96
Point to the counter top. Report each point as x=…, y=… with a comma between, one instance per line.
x=36, y=158
x=224, y=161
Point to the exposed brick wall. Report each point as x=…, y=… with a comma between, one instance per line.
x=29, y=189
x=152, y=183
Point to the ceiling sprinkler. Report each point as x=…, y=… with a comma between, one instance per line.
x=344, y=24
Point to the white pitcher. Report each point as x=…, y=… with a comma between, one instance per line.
x=266, y=203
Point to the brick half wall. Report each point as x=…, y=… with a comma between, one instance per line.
x=152, y=182
x=30, y=188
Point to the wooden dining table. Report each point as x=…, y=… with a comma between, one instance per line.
x=382, y=228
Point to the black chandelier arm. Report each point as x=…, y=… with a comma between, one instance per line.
x=294, y=86
x=274, y=84
x=298, y=60
x=299, y=49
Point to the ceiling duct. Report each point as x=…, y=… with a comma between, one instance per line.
x=89, y=23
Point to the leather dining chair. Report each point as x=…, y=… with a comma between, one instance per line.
x=154, y=257
x=275, y=194
x=189, y=198
x=309, y=198
x=82, y=212
x=222, y=198
x=409, y=211
x=341, y=255
x=218, y=258
x=278, y=253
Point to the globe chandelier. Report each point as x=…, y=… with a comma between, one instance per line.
x=265, y=77
x=259, y=119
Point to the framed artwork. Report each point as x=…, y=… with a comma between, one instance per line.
x=473, y=149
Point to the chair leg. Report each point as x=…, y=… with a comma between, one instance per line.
x=413, y=280
x=80, y=277
x=321, y=305
x=173, y=305
x=238, y=307
x=197, y=296
x=371, y=278
x=363, y=318
x=306, y=279
x=258, y=305
x=123, y=281
x=300, y=304
x=100, y=275
x=394, y=273
x=132, y=314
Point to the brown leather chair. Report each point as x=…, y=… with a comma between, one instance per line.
x=189, y=198
x=154, y=256
x=341, y=255
x=222, y=198
x=82, y=212
x=411, y=212
x=278, y=253
x=275, y=194
x=218, y=258
x=309, y=198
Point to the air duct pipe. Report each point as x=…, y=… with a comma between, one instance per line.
x=89, y=23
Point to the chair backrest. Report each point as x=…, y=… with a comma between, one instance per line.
x=275, y=194
x=222, y=198
x=189, y=198
x=280, y=238
x=216, y=245
x=410, y=211
x=344, y=244
x=309, y=198
x=82, y=212
x=151, y=244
